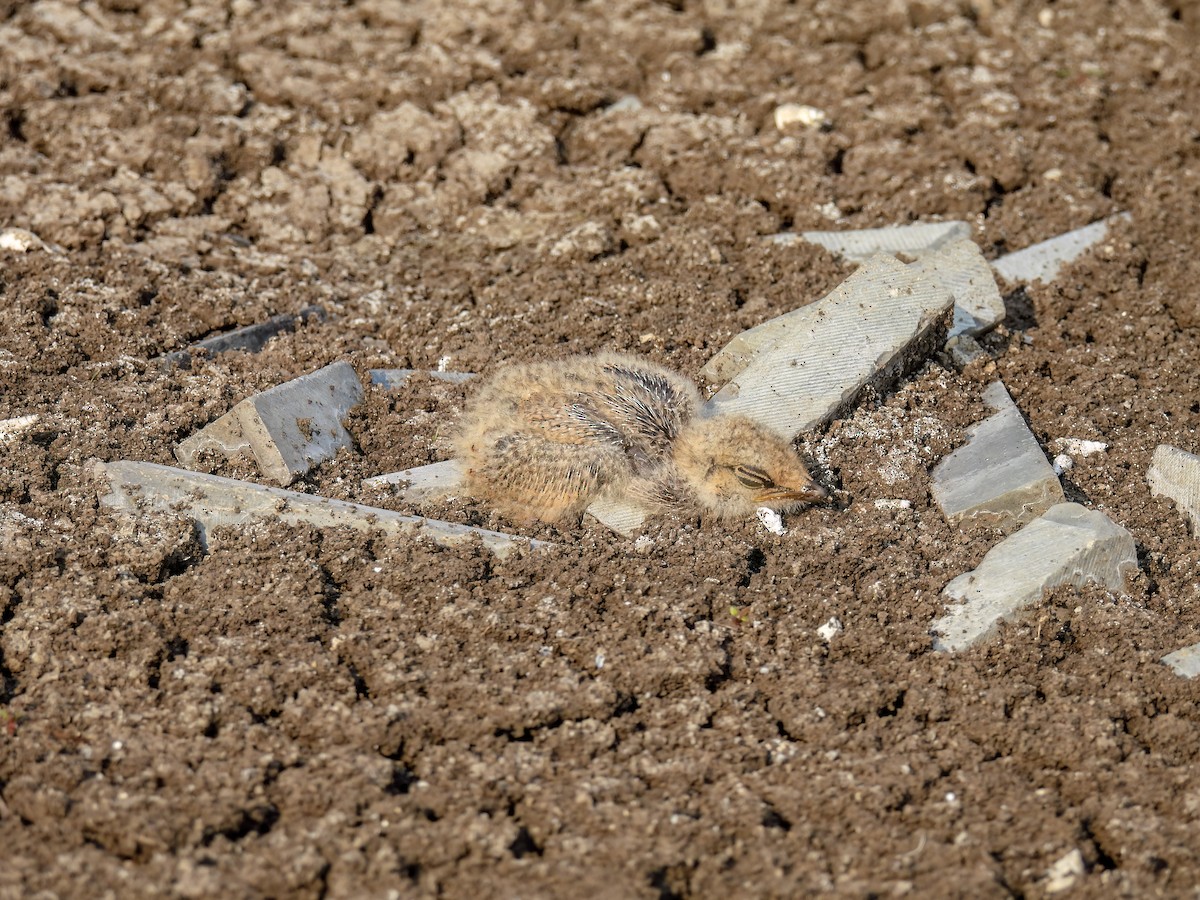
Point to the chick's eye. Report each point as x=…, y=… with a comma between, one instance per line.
x=753, y=477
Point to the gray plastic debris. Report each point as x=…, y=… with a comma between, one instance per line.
x=1185, y=662
x=962, y=268
x=861, y=245
x=212, y=501
x=1043, y=261
x=1068, y=545
x=288, y=429
x=393, y=378
x=1175, y=473
x=803, y=368
x=251, y=338
x=1000, y=477
x=435, y=481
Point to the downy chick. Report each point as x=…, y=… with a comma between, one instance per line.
x=543, y=440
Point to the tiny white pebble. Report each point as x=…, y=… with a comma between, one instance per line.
x=799, y=114
x=893, y=504
x=830, y=629
x=643, y=542
x=1080, y=447
x=599, y=660
x=771, y=520
x=20, y=240
x=117, y=745
x=442, y=363
x=1062, y=463
x=951, y=797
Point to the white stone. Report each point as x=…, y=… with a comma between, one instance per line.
x=21, y=240
x=1175, y=474
x=831, y=629
x=1185, y=661
x=436, y=481
x=1062, y=463
x=1064, y=873
x=960, y=264
x=893, y=504
x=1000, y=477
x=287, y=429
x=789, y=114
x=1067, y=545
x=802, y=369
x=1079, y=447
x=1043, y=261
x=210, y=501
x=771, y=520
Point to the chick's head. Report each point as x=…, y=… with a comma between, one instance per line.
x=735, y=466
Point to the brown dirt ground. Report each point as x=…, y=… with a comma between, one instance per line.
x=305, y=714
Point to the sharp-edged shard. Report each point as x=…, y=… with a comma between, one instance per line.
x=803, y=368
x=211, y=501
x=1000, y=477
x=1067, y=545
x=287, y=429
x=861, y=244
x=1175, y=473
x=1044, y=260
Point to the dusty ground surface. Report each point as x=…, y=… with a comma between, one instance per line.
x=304, y=714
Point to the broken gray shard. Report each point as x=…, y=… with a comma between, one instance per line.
x=251, y=338
x=393, y=378
x=287, y=429
x=1000, y=477
x=804, y=368
x=1043, y=261
x=962, y=268
x=436, y=481
x=211, y=501
x=1068, y=545
x=964, y=350
x=620, y=514
x=1185, y=662
x=1175, y=473
x=860, y=245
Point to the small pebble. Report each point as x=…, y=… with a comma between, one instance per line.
x=790, y=114
x=771, y=520
x=831, y=629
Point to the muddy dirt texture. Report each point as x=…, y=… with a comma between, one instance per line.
x=297, y=713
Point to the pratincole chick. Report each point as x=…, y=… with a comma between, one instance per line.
x=543, y=440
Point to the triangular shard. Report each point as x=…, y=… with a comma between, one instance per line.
x=1000, y=477
x=1067, y=545
x=1042, y=262
x=861, y=244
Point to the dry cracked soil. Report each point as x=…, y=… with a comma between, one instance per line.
x=304, y=713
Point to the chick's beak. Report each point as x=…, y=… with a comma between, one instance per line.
x=810, y=493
